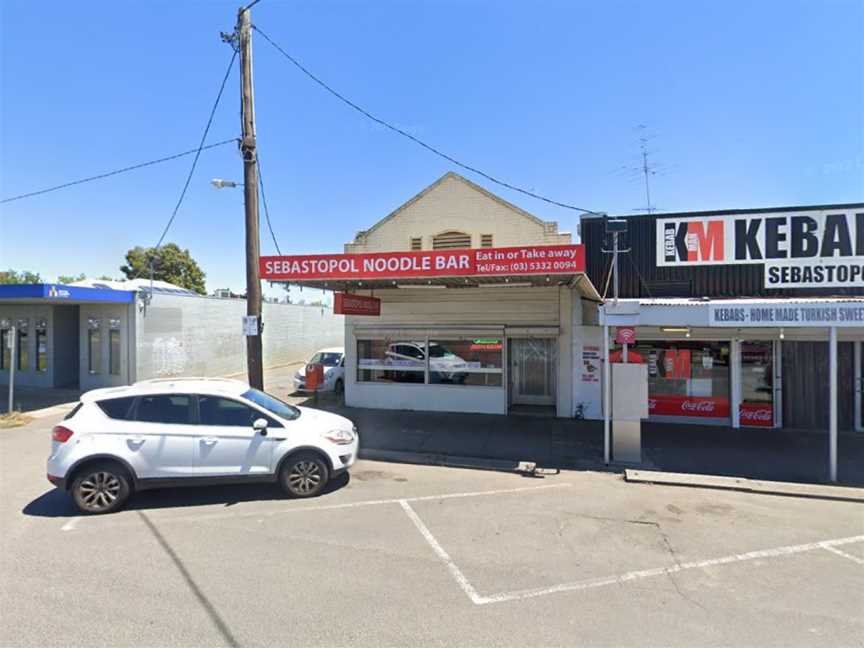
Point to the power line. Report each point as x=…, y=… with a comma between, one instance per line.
x=117, y=171
x=200, y=147
x=414, y=139
x=266, y=210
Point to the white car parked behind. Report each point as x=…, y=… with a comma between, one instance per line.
x=333, y=360
x=196, y=431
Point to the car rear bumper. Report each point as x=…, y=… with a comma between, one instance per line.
x=59, y=482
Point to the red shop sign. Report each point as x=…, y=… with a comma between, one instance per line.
x=483, y=262
x=346, y=304
x=756, y=414
x=699, y=406
x=626, y=335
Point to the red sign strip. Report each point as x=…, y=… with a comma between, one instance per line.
x=489, y=262
x=346, y=304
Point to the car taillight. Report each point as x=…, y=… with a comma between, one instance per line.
x=61, y=434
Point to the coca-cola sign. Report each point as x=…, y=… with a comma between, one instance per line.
x=696, y=406
x=756, y=414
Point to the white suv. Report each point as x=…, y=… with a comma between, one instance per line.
x=185, y=432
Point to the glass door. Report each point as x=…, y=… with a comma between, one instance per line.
x=532, y=371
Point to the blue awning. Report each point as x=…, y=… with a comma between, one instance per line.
x=59, y=293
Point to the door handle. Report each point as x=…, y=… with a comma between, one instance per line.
x=209, y=441
x=136, y=439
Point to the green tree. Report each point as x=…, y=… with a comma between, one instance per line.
x=24, y=277
x=170, y=264
x=68, y=279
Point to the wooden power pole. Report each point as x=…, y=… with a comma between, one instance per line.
x=254, y=360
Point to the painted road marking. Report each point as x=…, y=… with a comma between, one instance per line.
x=457, y=574
x=71, y=524
x=261, y=515
x=620, y=579
x=836, y=551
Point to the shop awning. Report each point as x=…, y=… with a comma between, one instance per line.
x=549, y=265
x=62, y=294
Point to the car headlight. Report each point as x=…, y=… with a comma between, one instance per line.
x=339, y=437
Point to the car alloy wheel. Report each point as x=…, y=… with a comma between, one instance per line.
x=100, y=490
x=304, y=475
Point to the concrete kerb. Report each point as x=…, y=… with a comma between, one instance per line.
x=478, y=463
x=788, y=489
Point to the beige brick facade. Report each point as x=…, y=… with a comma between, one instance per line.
x=454, y=204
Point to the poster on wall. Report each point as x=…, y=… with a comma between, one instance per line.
x=801, y=249
x=591, y=364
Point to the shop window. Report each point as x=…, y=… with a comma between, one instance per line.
x=475, y=362
x=685, y=378
x=23, y=348
x=389, y=361
x=5, y=349
x=451, y=240
x=757, y=384
x=416, y=243
x=94, y=345
x=486, y=240
x=114, y=352
x=42, y=345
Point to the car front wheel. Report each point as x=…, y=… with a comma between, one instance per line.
x=304, y=475
x=100, y=488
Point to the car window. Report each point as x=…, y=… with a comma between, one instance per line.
x=328, y=359
x=164, y=408
x=272, y=404
x=215, y=410
x=117, y=408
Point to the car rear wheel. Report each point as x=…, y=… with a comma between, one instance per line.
x=101, y=488
x=304, y=475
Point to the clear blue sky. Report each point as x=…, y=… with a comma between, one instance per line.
x=750, y=104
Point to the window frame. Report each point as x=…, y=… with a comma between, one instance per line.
x=193, y=408
x=272, y=422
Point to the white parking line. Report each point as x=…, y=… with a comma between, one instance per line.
x=776, y=552
x=71, y=524
x=836, y=551
x=443, y=555
x=478, y=599
x=166, y=519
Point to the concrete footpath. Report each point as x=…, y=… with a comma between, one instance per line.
x=501, y=442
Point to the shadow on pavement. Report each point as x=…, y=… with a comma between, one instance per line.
x=57, y=503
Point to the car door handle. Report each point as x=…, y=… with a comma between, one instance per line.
x=136, y=439
x=208, y=441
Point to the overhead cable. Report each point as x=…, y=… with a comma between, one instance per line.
x=414, y=139
x=200, y=147
x=117, y=171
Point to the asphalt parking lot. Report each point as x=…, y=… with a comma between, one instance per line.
x=400, y=555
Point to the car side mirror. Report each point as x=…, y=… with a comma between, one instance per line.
x=260, y=425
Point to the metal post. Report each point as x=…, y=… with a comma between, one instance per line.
x=778, y=383
x=858, y=385
x=254, y=360
x=607, y=394
x=615, y=268
x=13, y=361
x=625, y=356
x=832, y=404
x=735, y=376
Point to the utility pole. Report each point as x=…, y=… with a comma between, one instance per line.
x=254, y=361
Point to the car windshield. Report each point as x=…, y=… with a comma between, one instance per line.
x=272, y=404
x=438, y=351
x=328, y=359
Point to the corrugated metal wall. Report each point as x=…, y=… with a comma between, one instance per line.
x=805, y=385
x=705, y=281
